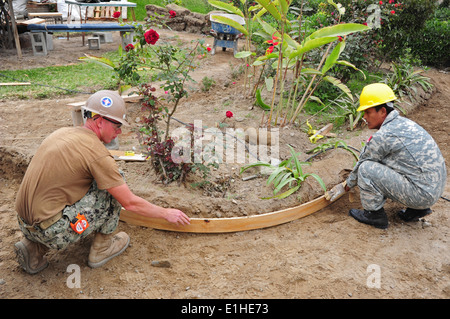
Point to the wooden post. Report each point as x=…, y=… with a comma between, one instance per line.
x=14, y=28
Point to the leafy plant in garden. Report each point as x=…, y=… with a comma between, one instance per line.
x=403, y=79
x=432, y=43
x=208, y=83
x=348, y=109
x=132, y=58
x=161, y=148
x=172, y=71
x=287, y=52
x=290, y=54
x=330, y=145
x=288, y=173
x=170, y=67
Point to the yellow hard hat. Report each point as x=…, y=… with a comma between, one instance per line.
x=375, y=94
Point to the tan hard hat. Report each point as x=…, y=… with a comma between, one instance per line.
x=108, y=104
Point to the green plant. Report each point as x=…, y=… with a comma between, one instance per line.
x=432, y=42
x=288, y=173
x=207, y=83
x=403, y=79
x=131, y=59
x=172, y=72
x=338, y=144
x=288, y=52
x=348, y=109
x=170, y=67
x=403, y=26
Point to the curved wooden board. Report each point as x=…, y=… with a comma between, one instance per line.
x=232, y=224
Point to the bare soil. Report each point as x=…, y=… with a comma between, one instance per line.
x=325, y=255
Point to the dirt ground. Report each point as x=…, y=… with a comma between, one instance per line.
x=325, y=255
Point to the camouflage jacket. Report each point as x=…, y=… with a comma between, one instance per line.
x=407, y=148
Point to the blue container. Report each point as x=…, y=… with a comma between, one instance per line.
x=223, y=28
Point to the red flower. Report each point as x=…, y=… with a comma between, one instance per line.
x=273, y=42
x=129, y=47
x=381, y=2
x=392, y=12
x=208, y=49
x=172, y=13
x=151, y=36
x=229, y=114
x=340, y=38
x=391, y=1
x=116, y=14
x=270, y=49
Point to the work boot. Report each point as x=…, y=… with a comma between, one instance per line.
x=106, y=247
x=377, y=218
x=411, y=214
x=31, y=255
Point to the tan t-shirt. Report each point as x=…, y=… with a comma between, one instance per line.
x=62, y=171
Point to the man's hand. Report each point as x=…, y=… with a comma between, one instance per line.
x=176, y=216
x=336, y=191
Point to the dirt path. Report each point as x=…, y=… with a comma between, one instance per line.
x=325, y=255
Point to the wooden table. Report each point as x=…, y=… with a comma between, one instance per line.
x=85, y=5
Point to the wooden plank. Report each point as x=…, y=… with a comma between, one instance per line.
x=31, y=21
x=233, y=224
x=14, y=83
x=45, y=14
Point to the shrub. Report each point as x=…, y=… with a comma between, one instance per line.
x=432, y=43
x=404, y=26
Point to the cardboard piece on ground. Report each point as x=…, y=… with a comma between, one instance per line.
x=121, y=156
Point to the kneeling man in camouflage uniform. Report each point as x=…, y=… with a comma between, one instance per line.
x=73, y=187
x=401, y=161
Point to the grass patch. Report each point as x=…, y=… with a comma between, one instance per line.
x=57, y=80
x=200, y=6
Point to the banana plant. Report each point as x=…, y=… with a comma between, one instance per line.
x=291, y=53
x=288, y=173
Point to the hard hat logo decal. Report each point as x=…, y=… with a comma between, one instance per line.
x=106, y=102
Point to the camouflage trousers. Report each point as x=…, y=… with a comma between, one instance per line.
x=100, y=208
x=377, y=182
